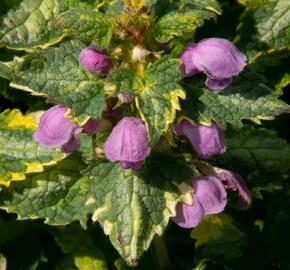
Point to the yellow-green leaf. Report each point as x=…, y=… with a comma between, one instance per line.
x=19, y=154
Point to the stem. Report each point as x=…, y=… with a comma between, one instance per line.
x=94, y=145
x=162, y=253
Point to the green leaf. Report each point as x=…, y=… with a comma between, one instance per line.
x=283, y=83
x=90, y=260
x=264, y=27
x=131, y=206
x=178, y=24
x=85, y=24
x=161, y=7
x=208, y=264
x=259, y=156
x=79, y=243
x=210, y=5
x=254, y=151
x=123, y=81
x=246, y=98
x=57, y=74
x=19, y=154
x=26, y=26
x=115, y=7
x=157, y=93
x=158, y=98
x=218, y=236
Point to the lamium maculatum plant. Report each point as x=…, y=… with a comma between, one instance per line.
x=142, y=121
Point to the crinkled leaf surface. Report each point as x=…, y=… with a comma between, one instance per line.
x=123, y=81
x=26, y=25
x=265, y=26
x=157, y=93
x=246, y=98
x=253, y=150
x=132, y=207
x=85, y=24
x=163, y=7
x=19, y=154
x=177, y=24
x=57, y=74
x=217, y=235
x=158, y=98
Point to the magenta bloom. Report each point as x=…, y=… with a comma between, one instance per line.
x=128, y=143
x=95, y=61
x=54, y=130
x=209, y=198
x=235, y=183
x=206, y=140
x=218, y=58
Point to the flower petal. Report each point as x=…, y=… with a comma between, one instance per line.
x=72, y=145
x=188, y=216
x=54, y=129
x=128, y=141
x=218, y=84
x=218, y=58
x=91, y=126
x=131, y=165
x=188, y=67
x=210, y=193
x=95, y=61
x=206, y=140
x=235, y=183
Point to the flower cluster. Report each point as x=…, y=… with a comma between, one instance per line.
x=129, y=142
x=210, y=197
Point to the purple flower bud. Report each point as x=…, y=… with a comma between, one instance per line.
x=95, y=61
x=54, y=130
x=128, y=143
x=218, y=58
x=235, y=183
x=126, y=98
x=209, y=198
x=206, y=140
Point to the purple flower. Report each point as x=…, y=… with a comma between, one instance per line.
x=209, y=198
x=218, y=58
x=95, y=61
x=235, y=183
x=128, y=143
x=54, y=130
x=206, y=140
